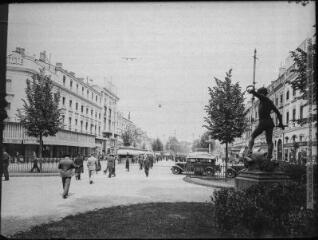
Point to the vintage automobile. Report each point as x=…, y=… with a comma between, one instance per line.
x=198, y=163
x=234, y=169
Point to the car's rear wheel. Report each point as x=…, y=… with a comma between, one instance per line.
x=231, y=174
x=176, y=170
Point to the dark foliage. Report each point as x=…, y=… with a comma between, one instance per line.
x=265, y=210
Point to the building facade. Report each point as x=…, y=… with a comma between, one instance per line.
x=290, y=144
x=89, y=112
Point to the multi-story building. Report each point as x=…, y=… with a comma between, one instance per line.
x=292, y=142
x=89, y=112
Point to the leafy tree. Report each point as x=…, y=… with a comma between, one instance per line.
x=173, y=145
x=196, y=144
x=40, y=115
x=157, y=145
x=202, y=142
x=129, y=136
x=304, y=69
x=225, y=112
x=144, y=146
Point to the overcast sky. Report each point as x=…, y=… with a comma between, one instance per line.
x=179, y=48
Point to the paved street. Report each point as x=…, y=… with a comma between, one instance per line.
x=29, y=201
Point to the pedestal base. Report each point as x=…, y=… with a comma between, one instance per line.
x=252, y=177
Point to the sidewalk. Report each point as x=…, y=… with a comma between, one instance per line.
x=214, y=183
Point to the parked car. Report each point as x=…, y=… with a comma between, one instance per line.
x=234, y=169
x=199, y=163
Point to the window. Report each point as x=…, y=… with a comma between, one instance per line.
x=287, y=95
x=99, y=115
x=86, y=126
x=76, y=106
x=76, y=87
x=86, y=110
x=294, y=114
x=281, y=99
x=8, y=106
x=64, y=80
x=92, y=95
x=70, y=103
x=75, y=122
x=70, y=122
x=82, y=108
x=92, y=112
x=81, y=125
x=294, y=92
x=95, y=114
x=96, y=98
x=287, y=118
x=63, y=100
x=82, y=90
x=301, y=112
x=71, y=84
x=87, y=93
x=9, y=85
x=276, y=101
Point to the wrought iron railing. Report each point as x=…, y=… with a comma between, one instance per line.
x=44, y=165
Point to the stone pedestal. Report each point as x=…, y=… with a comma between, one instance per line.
x=252, y=177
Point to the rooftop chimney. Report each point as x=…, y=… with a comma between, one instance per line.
x=43, y=56
x=281, y=71
x=20, y=51
x=59, y=65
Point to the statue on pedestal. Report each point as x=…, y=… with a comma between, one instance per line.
x=258, y=161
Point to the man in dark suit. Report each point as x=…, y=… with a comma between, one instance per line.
x=5, y=164
x=66, y=167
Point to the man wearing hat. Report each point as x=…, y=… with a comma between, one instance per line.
x=91, y=165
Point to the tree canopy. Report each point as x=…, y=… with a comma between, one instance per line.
x=40, y=114
x=225, y=111
x=157, y=145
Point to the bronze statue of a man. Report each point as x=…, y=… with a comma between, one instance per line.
x=265, y=121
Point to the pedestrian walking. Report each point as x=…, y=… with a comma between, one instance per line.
x=110, y=165
x=98, y=164
x=127, y=163
x=114, y=168
x=146, y=165
x=35, y=163
x=5, y=165
x=91, y=165
x=66, y=167
x=79, y=167
x=140, y=161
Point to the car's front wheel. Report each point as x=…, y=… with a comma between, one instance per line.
x=210, y=172
x=176, y=170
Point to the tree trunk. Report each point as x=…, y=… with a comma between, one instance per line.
x=226, y=159
x=40, y=153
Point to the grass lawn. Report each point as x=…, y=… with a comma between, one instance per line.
x=150, y=220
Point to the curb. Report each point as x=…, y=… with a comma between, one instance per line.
x=212, y=185
x=33, y=174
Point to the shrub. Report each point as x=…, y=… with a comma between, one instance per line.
x=295, y=172
x=262, y=209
